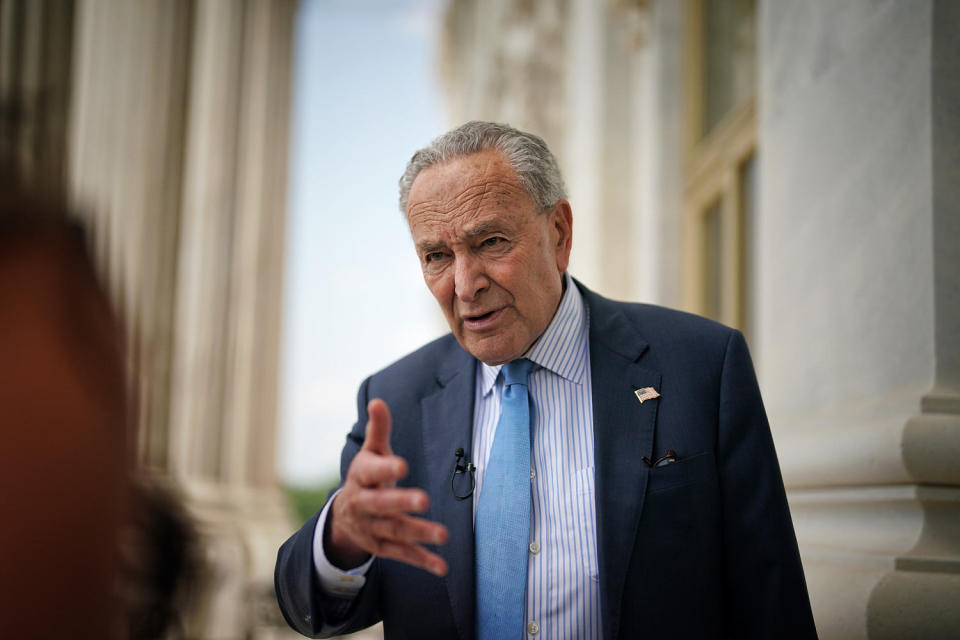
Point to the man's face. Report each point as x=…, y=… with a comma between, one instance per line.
x=491, y=259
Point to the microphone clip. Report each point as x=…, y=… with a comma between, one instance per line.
x=463, y=467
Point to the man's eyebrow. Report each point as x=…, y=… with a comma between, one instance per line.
x=481, y=229
x=477, y=230
x=429, y=246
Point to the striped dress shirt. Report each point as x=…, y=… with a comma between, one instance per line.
x=563, y=588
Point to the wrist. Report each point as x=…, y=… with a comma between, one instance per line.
x=339, y=548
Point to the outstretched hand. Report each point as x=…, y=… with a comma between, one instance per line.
x=371, y=515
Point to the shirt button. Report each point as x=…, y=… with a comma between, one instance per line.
x=533, y=628
x=534, y=548
x=533, y=474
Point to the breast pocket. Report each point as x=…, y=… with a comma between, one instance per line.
x=583, y=481
x=696, y=468
x=574, y=531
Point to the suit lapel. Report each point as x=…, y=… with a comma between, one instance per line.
x=623, y=434
x=447, y=426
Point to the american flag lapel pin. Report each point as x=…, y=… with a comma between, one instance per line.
x=647, y=393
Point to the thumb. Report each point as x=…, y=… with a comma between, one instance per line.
x=377, y=438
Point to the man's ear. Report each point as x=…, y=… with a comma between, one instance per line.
x=563, y=233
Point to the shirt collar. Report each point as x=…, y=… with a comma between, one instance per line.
x=561, y=348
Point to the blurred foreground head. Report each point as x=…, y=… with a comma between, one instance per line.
x=64, y=466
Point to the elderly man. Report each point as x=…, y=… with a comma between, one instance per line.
x=560, y=465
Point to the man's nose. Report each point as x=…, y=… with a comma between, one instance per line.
x=470, y=278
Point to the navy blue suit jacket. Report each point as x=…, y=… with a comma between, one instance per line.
x=701, y=548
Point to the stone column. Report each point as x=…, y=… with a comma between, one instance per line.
x=625, y=64
x=860, y=271
x=657, y=235
x=254, y=318
x=582, y=156
x=229, y=303
x=256, y=301
x=178, y=141
x=206, y=247
x=126, y=141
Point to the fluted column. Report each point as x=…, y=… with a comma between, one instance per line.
x=256, y=299
x=178, y=145
x=206, y=247
x=127, y=127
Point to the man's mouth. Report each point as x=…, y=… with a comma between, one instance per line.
x=482, y=320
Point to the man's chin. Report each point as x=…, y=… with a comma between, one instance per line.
x=488, y=350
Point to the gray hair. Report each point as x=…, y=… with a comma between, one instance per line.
x=527, y=154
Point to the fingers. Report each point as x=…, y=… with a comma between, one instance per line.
x=406, y=552
x=374, y=470
x=382, y=502
x=386, y=502
x=377, y=437
x=407, y=530
x=377, y=522
x=399, y=538
x=384, y=514
x=414, y=555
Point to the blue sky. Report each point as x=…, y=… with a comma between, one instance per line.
x=365, y=98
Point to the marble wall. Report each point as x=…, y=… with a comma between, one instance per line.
x=857, y=285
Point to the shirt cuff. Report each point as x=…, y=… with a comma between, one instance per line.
x=335, y=581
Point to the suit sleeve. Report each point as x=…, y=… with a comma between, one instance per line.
x=306, y=608
x=765, y=588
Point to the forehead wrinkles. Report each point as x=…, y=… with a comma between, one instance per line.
x=472, y=198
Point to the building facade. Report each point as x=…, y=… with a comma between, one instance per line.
x=790, y=169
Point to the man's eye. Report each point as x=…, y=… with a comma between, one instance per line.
x=492, y=242
x=433, y=256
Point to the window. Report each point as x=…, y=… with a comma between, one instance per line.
x=719, y=191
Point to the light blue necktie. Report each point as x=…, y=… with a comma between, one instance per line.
x=502, y=520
